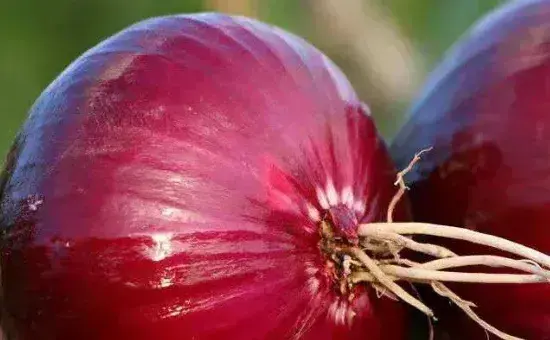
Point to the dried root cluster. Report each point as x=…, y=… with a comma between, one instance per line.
x=375, y=260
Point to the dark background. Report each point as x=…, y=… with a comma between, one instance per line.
x=385, y=47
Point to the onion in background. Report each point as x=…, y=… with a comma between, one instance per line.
x=486, y=113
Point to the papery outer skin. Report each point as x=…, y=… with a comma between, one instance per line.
x=169, y=184
x=486, y=113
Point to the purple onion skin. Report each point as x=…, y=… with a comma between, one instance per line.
x=486, y=113
x=169, y=184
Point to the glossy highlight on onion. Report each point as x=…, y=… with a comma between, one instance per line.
x=171, y=184
x=486, y=114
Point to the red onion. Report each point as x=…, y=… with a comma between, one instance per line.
x=486, y=113
x=169, y=184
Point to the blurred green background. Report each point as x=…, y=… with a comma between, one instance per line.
x=384, y=46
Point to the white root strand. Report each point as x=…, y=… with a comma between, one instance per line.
x=396, y=273
x=426, y=275
x=485, y=260
x=387, y=282
x=431, y=333
x=442, y=290
x=357, y=277
x=382, y=291
x=375, y=248
x=400, y=261
x=428, y=249
x=415, y=228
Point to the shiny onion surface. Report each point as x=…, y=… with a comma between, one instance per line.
x=169, y=184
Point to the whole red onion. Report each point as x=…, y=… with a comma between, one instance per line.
x=486, y=113
x=169, y=184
